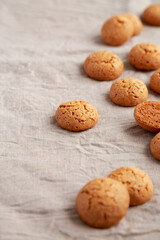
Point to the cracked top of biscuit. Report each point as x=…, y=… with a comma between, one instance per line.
x=76, y=115
x=128, y=91
x=103, y=65
x=147, y=114
x=138, y=183
x=145, y=56
x=102, y=202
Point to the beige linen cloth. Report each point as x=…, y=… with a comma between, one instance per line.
x=43, y=44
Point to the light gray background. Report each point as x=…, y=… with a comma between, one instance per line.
x=42, y=167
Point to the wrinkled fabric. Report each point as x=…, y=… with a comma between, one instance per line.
x=42, y=167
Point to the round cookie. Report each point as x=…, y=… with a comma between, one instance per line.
x=147, y=115
x=137, y=24
x=117, y=30
x=138, y=183
x=155, y=146
x=145, y=56
x=151, y=15
x=76, y=115
x=155, y=81
x=103, y=65
x=128, y=92
x=102, y=203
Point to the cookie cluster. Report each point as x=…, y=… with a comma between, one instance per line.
x=119, y=29
x=103, y=202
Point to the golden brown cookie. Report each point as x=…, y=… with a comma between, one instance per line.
x=117, y=30
x=137, y=24
x=147, y=115
x=155, y=81
x=103, y=65
x=102, y=203
x=145, y=56
x=155, y=146
x=139, y=184
x=76, y=115
x=128, y=92
x=151, y=15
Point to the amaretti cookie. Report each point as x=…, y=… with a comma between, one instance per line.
x=76, y=115
x=103, y=202
x=145, y=56
x=137, y=24
x=155, y=146
x=155, y=81
x=138, y=183
x=128, y=92
x=103, y=65
x=147, y=115
x=151, y=15
x=117, y=30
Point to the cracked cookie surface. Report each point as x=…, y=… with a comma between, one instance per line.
x=145, y=56
x=151, y=15
x=138, y=183
x=155, y=146
x=128, y=92
x=76, y=115
x=147, y=115
x=103, y=65
x=117, y=30
x=137, y=24
x=155, y=81
x=102, y=202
